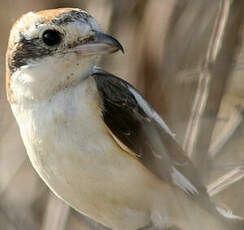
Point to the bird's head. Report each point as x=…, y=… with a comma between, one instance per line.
x=50, y=50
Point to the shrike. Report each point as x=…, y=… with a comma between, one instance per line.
x=91, y=136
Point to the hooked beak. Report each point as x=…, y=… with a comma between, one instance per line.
x=98, y=44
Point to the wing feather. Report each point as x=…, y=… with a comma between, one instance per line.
x=139, y=127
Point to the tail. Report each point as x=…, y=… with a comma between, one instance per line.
x=197, y=217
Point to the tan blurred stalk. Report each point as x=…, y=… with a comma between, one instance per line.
x=56, y=214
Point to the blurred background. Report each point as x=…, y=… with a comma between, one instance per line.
x=186, y=57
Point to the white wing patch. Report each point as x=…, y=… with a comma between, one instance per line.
x=180, y=180
x=150, y=112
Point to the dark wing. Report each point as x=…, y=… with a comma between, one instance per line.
x=133, y=121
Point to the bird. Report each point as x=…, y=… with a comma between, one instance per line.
x=92, y=137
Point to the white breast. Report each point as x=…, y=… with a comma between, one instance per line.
x=72, y=150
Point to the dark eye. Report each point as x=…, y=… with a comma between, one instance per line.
x=51, y=37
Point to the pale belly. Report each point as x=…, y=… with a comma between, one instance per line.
x=73, y=152
x=112, y=188
x=90, y=172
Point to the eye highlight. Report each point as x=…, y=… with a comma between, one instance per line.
x=51, y=37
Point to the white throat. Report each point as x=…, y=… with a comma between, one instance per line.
x=38, y=81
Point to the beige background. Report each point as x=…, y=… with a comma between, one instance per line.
x=174, y=52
